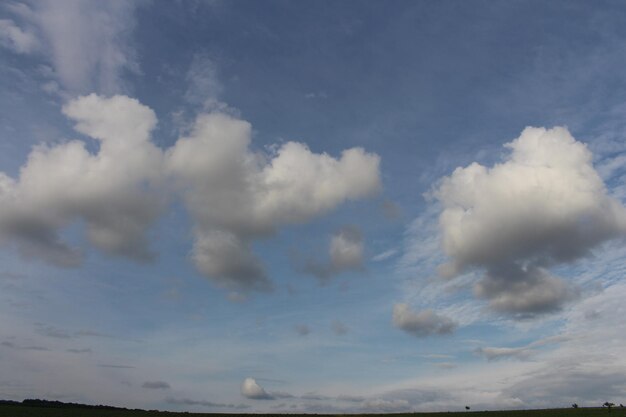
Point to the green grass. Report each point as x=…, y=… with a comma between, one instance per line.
x=23, y=411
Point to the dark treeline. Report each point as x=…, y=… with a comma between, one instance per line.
x=60, y=404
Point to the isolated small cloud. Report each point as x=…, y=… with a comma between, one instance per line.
x=302, y=329
x=346, y=249
x=544, y=205
x=496, y=353
x=383, y=256
x=250, y=389
x=83, y=350
x=445, y=365
x=115, y=366
x=345, y=253
x=339, y=328
x=521, y=352
x=423, y=323
x=53, y=332
x=391, y=210
x=156, y=385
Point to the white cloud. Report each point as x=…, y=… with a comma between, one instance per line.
x=250, y=389
x=423, y=323
x=87, y=42
x=234, y=195
x=383, y=256
x=204, y=85
x=543, y=206
x=107, y=190
x=20, y=41
x=346, y=249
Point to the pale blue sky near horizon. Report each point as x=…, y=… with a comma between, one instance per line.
x=361, y=315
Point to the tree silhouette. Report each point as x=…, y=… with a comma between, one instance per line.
x=575, y=405
x=608, y=405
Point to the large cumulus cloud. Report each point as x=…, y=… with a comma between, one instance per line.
x=543, y=206
x=234, y=195
x=107, y=190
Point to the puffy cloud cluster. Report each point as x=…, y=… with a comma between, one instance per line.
x=345, y=253
x=233, y=194
x=543, y=206
x=236, y=196
x=250, y=389
x=108, y=190
x=423, y=323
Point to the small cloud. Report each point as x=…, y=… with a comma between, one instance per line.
x=498, y=353
x=12, y=275
x=391, y=210
x=445, y=365
x=339, y=328
x=251, y=389
x=316, y=95
x=16, y=39
x=384, y=255
x=281, y=394
x=12, y=345
x=156, y=385
x=345, y=253
x=106, y=365
x=86, y=350
x=50, y=331
x=436, y=356
x=351, y=398
x=302, y=329
x=387, y=406
x=90, y=333
x=521, y=353
x=423, y=323
x=314, y=396
x=237, y=297
x=186, y=401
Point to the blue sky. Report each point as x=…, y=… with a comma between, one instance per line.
x=312, y=206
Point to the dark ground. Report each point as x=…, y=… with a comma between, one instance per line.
x=29, y=411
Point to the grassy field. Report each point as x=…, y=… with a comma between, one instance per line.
x=22, y=411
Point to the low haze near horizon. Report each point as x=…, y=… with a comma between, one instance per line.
x=226, y=206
